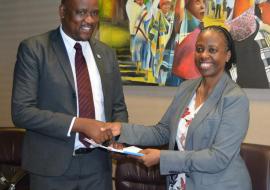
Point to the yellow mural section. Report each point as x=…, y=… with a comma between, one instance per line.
x=106, y=8
x=114, y=36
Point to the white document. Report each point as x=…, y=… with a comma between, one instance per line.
x=131, y=150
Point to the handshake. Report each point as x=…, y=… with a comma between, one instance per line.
x=101, y=132
x=97, y=130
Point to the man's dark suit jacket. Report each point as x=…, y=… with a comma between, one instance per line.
x=44, y=99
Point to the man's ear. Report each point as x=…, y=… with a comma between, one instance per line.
x=62, y=11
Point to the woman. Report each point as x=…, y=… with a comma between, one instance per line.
x=204, y=125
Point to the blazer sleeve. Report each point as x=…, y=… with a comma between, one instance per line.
x=25, y=110
x=160, y=133
x=141, y=135
x=156, y=135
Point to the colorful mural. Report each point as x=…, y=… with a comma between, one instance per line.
x=154, y=39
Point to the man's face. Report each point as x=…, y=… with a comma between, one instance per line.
x=79, y=18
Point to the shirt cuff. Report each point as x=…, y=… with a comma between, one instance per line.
x=71, y=125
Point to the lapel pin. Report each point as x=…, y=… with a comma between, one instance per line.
x=98, y=56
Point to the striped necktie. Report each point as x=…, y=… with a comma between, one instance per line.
x=85, y=96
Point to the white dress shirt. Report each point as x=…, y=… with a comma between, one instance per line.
x=94, y=79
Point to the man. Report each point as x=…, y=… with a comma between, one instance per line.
x=49, y=97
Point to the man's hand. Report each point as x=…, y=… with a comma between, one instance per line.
x=92, y=129
x=151, y=157
x=115, y=127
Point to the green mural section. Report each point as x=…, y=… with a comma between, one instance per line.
x=113, y=35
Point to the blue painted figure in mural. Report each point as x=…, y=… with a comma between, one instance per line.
x=160, y=30
x=137, y=12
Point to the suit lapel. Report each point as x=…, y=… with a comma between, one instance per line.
x=183, y=100
x=99, y=58
x=208, y=105
x=62, y=56
x=100, y=62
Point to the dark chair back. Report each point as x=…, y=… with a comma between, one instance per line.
x=131, y=175
x=11, y=140
x=135, y=176
x=257, y=158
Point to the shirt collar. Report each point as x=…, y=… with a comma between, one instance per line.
x=69, y=42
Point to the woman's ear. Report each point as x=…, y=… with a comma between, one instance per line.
x=229, y=54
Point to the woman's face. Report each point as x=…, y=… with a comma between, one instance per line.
x=196, y=8
x=211, y=53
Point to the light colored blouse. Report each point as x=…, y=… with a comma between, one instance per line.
x=178, y=182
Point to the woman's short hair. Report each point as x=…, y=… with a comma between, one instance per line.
x=229, y=43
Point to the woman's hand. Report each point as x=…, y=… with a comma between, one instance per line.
x=151, y=157
x=115, y=128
